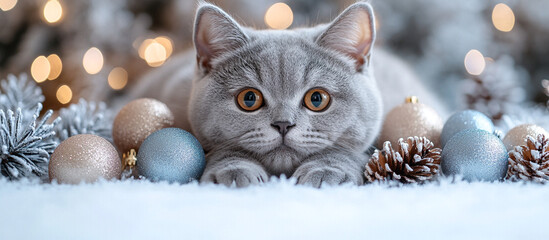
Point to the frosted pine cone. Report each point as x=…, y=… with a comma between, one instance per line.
x=416, y=160
x=530, y=161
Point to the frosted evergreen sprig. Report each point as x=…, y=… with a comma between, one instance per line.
x=26, y=147
x=85, y=118
x=19, y=92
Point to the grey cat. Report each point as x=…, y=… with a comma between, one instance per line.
x=303, y=102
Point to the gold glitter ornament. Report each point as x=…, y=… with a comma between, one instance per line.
x=137, y=120
x=84, y=158
x=411, y=119
x=517, y=135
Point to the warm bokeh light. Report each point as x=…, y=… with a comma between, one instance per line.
x=93, y=61
x=40, y=69
x=156, y=51
x=64, y=94
x=7, y=5
x=118, y=78
x=167, y=43
x=144, y=46
x=503, y=17
x=155, y=54
x=279, y=16
x=53, y=11
x=56, y=66
x=474, y=62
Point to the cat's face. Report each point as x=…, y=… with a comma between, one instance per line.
x=280, y=95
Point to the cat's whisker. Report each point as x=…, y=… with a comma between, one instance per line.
x=256, y=132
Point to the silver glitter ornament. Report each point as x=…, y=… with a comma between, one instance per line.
x=476, y=155
x=468, y=119
x=171, y=154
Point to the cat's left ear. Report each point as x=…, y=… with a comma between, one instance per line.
x=352, y=33
x=215, y=34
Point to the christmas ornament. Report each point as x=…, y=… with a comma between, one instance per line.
x=136, y=121
x=25, y=147
x=468, y=119
x=530, y=161
x=171, y=154
x=84, y=158
x=85, y=118
x=517, y=135
x=416, y=160
x=476, y=154
x=411, y=119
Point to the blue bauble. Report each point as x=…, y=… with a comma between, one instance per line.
x=468, y=119
x=476, y=155
x=171, y=154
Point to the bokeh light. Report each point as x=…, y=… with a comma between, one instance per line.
x=144, y=46
x=166, y=43
x=64, y=94
x=7, y=5
x=155, y=54
x=503, y=17
x=40, y=69
x=53, y=11
x=56, y=66
x=93, y=60
x=156, y=51
x=279, y=16
x=474, y=62
x=118, y=78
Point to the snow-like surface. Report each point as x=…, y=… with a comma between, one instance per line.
x=277, y=210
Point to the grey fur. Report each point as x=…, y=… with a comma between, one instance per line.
x=242, y=147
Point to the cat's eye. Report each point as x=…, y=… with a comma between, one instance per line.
x=316, y=99
x=249, y=99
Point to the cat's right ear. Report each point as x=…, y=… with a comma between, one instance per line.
x=215, y=33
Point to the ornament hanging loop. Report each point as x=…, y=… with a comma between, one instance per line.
x=129, y=159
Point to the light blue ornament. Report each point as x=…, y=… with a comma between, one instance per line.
x=171, y=154
x=476, y=155
x=468, y=119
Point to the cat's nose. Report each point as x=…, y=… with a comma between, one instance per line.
x=282, y=126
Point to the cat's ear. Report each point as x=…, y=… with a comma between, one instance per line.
x=352, y=33
x=215, y=33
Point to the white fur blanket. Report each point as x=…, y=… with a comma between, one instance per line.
x=277, y=210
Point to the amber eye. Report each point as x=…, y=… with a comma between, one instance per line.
x=316, y=99
x=249, y=99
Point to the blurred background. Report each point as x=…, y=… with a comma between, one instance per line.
x=487, y=55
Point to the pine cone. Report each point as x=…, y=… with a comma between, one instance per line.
x=530, y=161
x=415, y=161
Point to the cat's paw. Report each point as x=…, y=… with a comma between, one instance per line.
x=241, y=174
x=318, y=176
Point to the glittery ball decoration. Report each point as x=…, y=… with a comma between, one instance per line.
x=84, y=158
x=517, y=135
x=172, y=155
x=468, y=119
x=137, y=120
x=411, y=119
x=476, y=155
